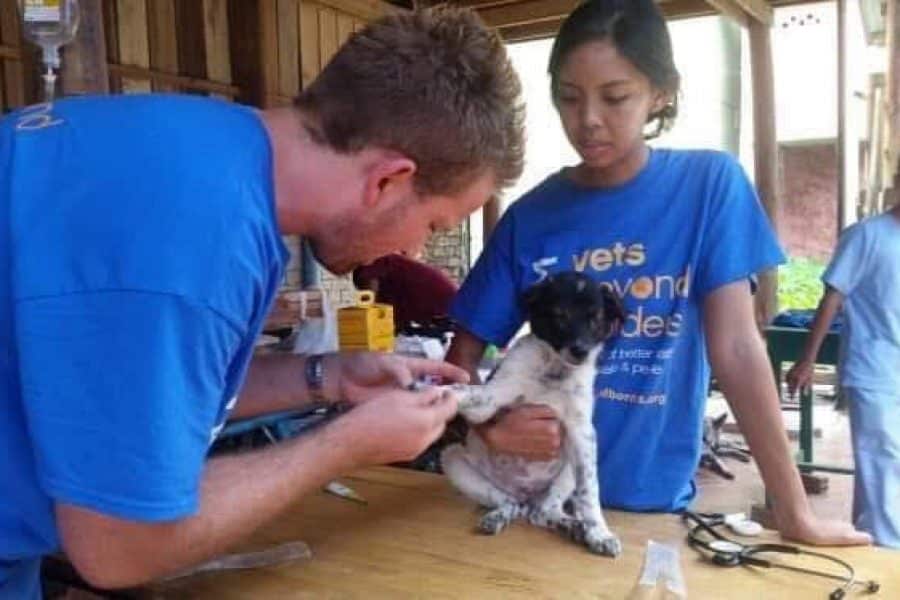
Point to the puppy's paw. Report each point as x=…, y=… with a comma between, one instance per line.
x=602, y=542
x=493, y=522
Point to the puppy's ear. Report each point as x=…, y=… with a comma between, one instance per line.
x=613, y=310
x=531, y=299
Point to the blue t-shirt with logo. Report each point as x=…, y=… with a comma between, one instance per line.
x=687, y=224
x=139, y=254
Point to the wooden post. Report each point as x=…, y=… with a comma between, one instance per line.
x=253, y=36
x=842, y=199
x=890, y=152
x=84, y=69
x=489, y=216
x=766, y=155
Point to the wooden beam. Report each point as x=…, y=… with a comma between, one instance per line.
x=13, y=71
x=253, y=44
x=765, y=150
x=328, y=43
x=531, y=31
x=309, y=42
x=134, y=44
x=368, y=10
x=163, y=40
x=111, y=31
x=9, y=52
x=744, y=10
x=215, y=40
x=288, y=47
x=190, y=20
x=890, y=153
x=84, y=60
x=527, y=12
x=673, y=10
x=172, y=80
x=490, y=216
x=842, y=200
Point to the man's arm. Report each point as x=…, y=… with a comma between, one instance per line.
x=242, y=492
x=740, y=363
x=277, y=382
x=801, y=373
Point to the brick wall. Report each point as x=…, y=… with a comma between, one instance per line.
x=448, y=250
x=809, y=189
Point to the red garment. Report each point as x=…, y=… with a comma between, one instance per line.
x=417, y=291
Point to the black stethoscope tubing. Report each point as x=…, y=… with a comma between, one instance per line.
x=733, y=554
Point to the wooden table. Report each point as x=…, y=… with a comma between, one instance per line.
x=415, y=539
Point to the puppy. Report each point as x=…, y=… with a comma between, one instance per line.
x=570, y=315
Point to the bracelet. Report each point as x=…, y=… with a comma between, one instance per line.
x=314, y=372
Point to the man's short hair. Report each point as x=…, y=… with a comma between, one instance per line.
x=434, y=85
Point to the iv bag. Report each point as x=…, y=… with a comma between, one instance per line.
x=50, y=24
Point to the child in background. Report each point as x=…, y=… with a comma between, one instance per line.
x=863, y=280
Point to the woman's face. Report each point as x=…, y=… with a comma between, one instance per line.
x=604, y=102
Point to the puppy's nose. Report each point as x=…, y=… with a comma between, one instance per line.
x=578, y=352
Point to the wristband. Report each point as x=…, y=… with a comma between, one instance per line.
x=314, y=372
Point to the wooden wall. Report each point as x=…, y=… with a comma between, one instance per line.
x=17, y=62
x=259, y=52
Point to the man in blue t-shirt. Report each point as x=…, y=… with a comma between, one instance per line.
x=140, y=251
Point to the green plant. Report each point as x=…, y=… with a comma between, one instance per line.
x=800, y=284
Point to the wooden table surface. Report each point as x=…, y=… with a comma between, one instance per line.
x=415, y=539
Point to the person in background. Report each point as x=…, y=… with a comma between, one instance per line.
x=136, y=274
x=419, y=292
x=863, y=281
x=677, y=234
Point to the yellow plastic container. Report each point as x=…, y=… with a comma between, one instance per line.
x=366, y=326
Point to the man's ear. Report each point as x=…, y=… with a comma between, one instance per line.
x=388, y=176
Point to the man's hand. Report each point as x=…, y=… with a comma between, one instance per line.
x=800, y=376
x=821, y=532
x=396, y=425
x=531, y=431
x=358, y=377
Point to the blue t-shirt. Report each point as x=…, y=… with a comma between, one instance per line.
x=139, y=254
x=865, y=269
x=686, y=225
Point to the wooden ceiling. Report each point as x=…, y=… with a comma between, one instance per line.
x=520, y=20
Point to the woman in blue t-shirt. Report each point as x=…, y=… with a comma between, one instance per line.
x=678, y=235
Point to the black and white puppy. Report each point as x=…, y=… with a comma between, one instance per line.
x=570, y=316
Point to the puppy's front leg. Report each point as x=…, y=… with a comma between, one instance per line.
x=581, y=445
x=478, y=403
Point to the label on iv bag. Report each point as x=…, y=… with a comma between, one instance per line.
x=41, y=11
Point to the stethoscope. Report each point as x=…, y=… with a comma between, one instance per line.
x=728, y=553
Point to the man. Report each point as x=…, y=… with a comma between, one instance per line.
x=140, y=250
x=418, y=292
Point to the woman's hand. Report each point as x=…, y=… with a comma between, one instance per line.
x=812, y=530
x=531, y=431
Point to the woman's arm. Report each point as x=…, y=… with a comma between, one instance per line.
x=739, y=361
